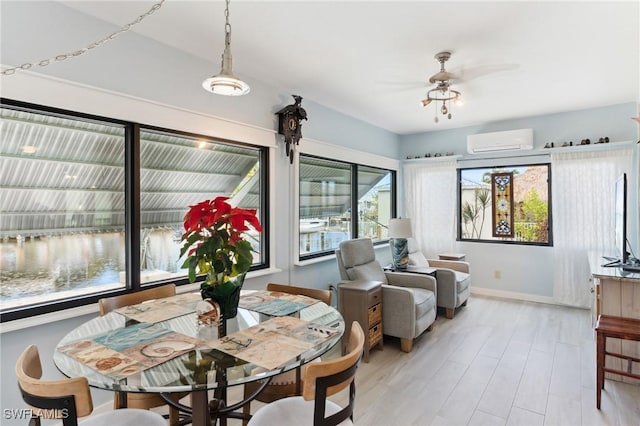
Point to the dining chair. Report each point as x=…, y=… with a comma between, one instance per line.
x=108, y=304
x=321, y=380
x=136, y=399
x=69, y=399
x=285, y=384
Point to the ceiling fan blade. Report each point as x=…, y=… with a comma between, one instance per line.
x=403, y=85
x=479, y=71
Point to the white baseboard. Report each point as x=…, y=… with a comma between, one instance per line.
x=513, y=295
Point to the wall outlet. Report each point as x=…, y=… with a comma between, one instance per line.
x=497, y=274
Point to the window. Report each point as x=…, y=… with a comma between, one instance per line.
x=177, y=171
x=91, y=206
x=62, y=216
x=374, y=203
x=330, y=191
x=505, y=204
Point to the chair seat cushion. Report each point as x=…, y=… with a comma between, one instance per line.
x=418, y=259
x=124, y=417
x=462, y=281
x=424, y=300
x=294, y=411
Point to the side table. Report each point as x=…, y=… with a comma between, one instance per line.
x=452, y=256
x=362, y=301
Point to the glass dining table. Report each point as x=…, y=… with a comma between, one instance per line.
x=179, y=354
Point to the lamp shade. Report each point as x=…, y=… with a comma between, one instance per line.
x=399, y=228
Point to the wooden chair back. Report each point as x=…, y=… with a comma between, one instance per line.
x=322, y=295
x=325, y=378
x=108, y=304
x=70, y=398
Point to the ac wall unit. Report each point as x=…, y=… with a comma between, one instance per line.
x=512, y=140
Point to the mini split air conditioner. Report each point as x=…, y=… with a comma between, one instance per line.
x=512, y=140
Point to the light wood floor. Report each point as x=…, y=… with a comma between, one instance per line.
x=498, y=362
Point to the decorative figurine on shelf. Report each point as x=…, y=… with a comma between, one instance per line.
x=290, y=124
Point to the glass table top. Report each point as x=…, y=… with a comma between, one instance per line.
x=199, y=367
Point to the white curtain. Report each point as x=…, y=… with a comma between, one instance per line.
x=583, y=217
x=430, y=203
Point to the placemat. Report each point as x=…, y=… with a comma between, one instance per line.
x=272, y=343
x=158, y=310
x=275, y=303
x=126, y=351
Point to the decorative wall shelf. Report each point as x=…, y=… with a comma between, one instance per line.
x=432, y=159
x=590, y=147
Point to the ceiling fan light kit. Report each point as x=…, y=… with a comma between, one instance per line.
x=443, y=92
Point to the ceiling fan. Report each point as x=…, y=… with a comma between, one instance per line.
x=443, y=92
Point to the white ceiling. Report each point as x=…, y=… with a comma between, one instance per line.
x=372, y=59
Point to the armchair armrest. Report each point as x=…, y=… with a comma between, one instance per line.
x=407, y=279
x=450, y=264
x=398, y=312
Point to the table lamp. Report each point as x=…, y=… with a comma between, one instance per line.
x=399, y=231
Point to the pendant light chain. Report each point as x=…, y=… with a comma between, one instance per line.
x=63, y=56
x=227, y=26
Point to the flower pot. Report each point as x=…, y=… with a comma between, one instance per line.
x=226, y=294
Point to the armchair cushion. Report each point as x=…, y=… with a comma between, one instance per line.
x=371, y=271
x=424, y=301
x=461, y=278
x=415, y=255
x=359, y=261
x=357, y=252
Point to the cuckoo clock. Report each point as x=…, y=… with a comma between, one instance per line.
x=290, y=124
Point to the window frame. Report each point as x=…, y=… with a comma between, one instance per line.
x=132, y=131
x=515, y=164
x=353, y=204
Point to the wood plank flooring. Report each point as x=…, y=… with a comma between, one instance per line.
x=498, y=362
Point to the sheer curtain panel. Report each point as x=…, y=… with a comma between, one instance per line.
x=583, y=217
x=430, y=203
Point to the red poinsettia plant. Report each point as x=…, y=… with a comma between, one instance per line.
x=213, y=240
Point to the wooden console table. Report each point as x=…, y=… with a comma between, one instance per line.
x=616, y=293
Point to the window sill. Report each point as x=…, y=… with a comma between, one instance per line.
x=48, y=318
x=314, y=260
x=79, y=311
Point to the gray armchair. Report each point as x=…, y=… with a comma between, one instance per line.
x=408, y=300
x=454, y=281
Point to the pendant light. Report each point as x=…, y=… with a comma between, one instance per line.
x=225, y=83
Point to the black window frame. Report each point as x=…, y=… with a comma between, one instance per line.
x=132, y=208
x=459, y=238
x=353, y=204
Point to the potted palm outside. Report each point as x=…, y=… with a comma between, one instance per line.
x=215, y=246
